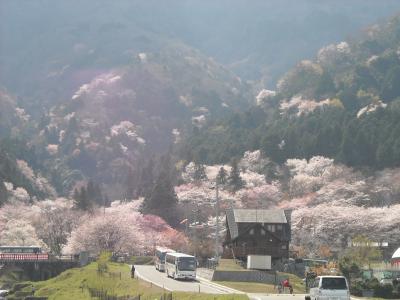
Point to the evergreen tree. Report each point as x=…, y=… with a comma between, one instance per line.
x=234, y=179
x=81, y=200
x=93, y=193
x=131, y=185
x=221, y=177
x=199, y=172
x=146, y=180
x=162, y=200
x=3, y=194
x=106, y=201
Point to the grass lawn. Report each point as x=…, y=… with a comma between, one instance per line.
x=229, y=265
x=74, y=284
x=141, y=260
x=255, y=287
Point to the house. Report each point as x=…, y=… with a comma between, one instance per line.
x=395, y=261
x=257, y=232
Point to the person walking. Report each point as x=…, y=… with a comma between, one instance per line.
x=133, y=271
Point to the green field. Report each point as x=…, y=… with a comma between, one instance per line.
x=116, y=280
x=255, y=287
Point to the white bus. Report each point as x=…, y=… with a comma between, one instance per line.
x=180, y=266
x=160, y=254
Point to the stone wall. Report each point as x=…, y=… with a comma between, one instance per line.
x=248, y=276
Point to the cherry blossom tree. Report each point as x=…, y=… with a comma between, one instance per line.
x=54, y=223
x=121, y=228
x=19, y=233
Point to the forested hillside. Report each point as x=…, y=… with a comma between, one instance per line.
x=344, y=104
x=121, y=117
x=102, y=87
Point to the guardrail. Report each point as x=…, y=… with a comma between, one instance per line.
x=24, y=256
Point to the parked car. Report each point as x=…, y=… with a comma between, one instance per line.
x=329, y=287
x=385, y=281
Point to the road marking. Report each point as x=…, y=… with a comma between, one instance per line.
x=219, y=286
x=152, y=282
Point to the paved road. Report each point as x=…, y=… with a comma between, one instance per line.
x=149, y=273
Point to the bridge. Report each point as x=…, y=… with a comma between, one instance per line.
x=35, y=257
x=38, y=266
x=23, y=257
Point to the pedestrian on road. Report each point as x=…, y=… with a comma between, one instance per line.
x=280, y=288
x=133, y=271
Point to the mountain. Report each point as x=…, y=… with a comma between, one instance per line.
x=325, y=143
x=124, y=115
x=49, y=47
x=130, y=99
x=344, y=104
x=106, y=86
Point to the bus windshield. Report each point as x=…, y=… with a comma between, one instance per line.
x=161, y=255
x=187, y=264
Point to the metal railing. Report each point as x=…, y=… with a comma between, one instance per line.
x=24, y=256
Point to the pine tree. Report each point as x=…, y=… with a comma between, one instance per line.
x=234, y=179
x=162, y=200
x=199, y=172
x=221, y=177
x=131, y=185
x=81, y=200
x=3, y=194
x=146, y=180
x=106, y=201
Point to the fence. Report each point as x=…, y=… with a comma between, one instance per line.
x=104, y=295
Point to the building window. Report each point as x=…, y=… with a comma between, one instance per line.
x=262, y=231
x=279, y=227
x=271, y=228
x=284, y=247
x=251, y=232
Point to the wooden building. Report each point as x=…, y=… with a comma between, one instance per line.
x=257, y=232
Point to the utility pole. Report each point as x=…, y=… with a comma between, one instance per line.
x=217, y=222
x=195, y=227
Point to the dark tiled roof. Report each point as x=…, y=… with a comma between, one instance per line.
x=260, y=216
